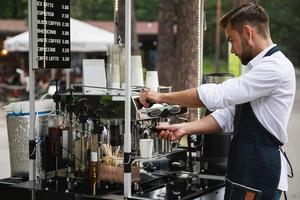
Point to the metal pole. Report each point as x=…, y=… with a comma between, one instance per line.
x=116, y=21
x=200, y=64
x=127, y=136
x=31, y=5
x=32, y=20
x=200, y=44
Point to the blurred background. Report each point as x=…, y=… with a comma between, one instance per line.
x=164, y=33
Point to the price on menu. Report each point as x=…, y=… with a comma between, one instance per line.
x=53, y=32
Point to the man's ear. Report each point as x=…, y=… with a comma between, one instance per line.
x=248, y=31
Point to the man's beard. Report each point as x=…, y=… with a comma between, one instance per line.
x=246, y=54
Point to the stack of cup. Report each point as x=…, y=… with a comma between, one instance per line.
x=151, y=81
x=136, y=71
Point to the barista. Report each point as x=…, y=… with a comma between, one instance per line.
x=256, y=106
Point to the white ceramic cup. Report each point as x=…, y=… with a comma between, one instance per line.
x=146, y=148
x=152, y=80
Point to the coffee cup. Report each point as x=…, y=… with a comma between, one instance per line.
x=146, y=148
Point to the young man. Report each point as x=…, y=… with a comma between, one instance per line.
x=255, y=106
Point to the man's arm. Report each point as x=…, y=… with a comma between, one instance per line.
x=205, y=125
x=187, y=98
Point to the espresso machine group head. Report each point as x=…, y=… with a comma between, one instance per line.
x=156, y=110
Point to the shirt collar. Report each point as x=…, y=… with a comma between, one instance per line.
x=258, y=58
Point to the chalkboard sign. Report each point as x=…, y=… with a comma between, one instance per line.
x=53, y=33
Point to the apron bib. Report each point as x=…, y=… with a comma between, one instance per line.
x=254, y=163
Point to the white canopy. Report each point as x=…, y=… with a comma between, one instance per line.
x=84, y=38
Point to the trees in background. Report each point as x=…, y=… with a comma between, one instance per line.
x=165, y=62
x=187, y=44
x=178, y=52
x=210, y=35
x=146, y=10
x=13, y=9
x=284, y=26
x=92, y=9
x=284, y=20
x=218, y=35
x=121, y=25
x=284, y=16
x=187, y=51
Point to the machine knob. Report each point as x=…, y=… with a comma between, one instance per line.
x=155, y=112
x=178, y=165
x=174, y=109
x=149, y=167
x=176, y=194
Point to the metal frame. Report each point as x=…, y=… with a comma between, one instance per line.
x=33, y=64
x=127, y=136
x=200, y=27
x=32, y=10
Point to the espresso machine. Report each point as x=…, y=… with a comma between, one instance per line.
x=89, y=157
x=146, y=119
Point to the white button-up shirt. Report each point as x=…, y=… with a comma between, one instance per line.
x=269, y=86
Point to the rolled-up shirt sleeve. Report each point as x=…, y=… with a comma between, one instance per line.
x=258, y=82
x=224, y=118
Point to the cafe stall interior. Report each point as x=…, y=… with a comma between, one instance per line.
x=95, y=140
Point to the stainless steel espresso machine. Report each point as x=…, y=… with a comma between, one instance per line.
x=82, y=152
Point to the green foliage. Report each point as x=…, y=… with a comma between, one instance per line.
x=146, y=10
x=284, y=26
x=13, y=9
x=284, y=19
x=209, y=65
x=92, y=9
x=210, y=34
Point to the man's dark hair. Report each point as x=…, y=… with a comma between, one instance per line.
x=250, y=13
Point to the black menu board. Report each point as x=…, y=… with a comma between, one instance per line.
x=53, y=33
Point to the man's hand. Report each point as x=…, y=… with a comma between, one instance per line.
x=148, y=96
x=171, y=132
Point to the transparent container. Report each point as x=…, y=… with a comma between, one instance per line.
x=113, y=67
x=18, y=122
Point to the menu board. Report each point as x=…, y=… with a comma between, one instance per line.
x=53, y=33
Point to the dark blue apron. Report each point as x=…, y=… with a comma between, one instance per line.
x=254, y=163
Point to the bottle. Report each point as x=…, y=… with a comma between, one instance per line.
x=94, y=163
x=93, y=170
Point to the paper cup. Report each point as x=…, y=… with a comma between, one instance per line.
x=152, y=80
x=146, y=148
x=137, y=78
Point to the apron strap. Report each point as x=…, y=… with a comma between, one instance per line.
x=291, y=169
x=285, y=197
x=289, y=163
x=271, y=51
